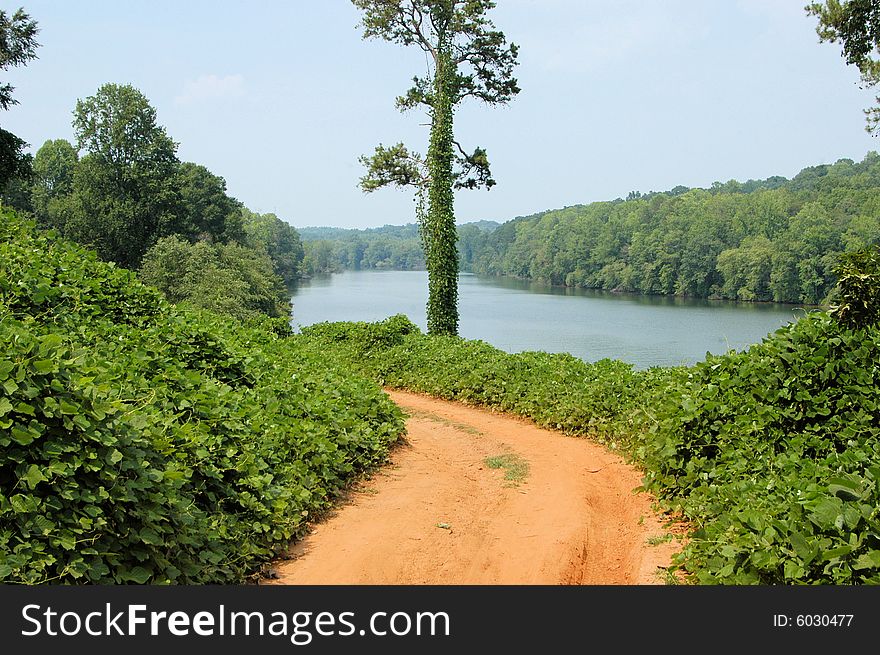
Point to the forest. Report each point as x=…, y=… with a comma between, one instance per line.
x=760, y=240
x=391, y=247
x=122, y=191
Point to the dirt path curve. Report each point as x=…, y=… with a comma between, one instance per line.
x=438, y=514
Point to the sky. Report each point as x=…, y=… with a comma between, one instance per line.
x=281, y=97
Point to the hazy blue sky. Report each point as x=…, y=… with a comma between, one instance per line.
x=280, y=97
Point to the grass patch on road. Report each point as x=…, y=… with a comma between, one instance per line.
x=516, y=469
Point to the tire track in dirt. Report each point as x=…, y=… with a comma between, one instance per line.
x=437, y=514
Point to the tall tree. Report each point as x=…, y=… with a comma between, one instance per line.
x=856, y=25
x=18, y=46
x=125, y=191
x=278, y=239
x=467, y=57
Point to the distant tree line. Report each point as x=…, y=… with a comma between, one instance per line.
x=391, y=247
x=330, y=249
x=122, y=190
x=762, y=240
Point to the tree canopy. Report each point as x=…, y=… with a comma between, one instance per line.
x=124, y=193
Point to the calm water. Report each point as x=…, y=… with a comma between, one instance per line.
x=514, y=315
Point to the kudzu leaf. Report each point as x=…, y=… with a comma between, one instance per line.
x=869, y=560
x=34, y=476
x=43, y=366
x=845, y=489
x=23, y=436
x=804, y=549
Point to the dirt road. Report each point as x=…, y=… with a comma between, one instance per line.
x=557, y=510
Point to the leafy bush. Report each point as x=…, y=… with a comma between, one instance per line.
x=227, y=278
x=775, y=455
x=146, y=443
x=858, y=288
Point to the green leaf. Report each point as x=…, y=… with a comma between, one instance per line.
x=68, y=408
x=44, y=366
x=25, y=408
x=836, y=553
x=845, y=489
x=805, y=550
x=137, y=574
x=869, y=560
x=5, y=368
x=824, y=514
x=23, y=504
x=44, y=525
x=22, y=436
x=67, y=541
x=149, y=536
x=34, y=476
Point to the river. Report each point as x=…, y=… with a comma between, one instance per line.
x=515, y=315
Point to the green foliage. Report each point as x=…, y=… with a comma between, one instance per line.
x=438, y=227
x=392, y=166
x=858, y=285
x=516, y=469
x=205, y=211
x=148, y=444
x=129, y=190
x=768, y=240
x=54, y=165
x=557, y=391
x=124, y=193
x=16, y=194
x=228, y=279
x=268, y=233
x=772, y=454
x=14, y=162
x=18, y=46
x=329, y=250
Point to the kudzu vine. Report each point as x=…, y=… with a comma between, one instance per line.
x=470, y=58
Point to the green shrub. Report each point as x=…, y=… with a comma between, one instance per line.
x=225, y=278
x=774, y=453
x=858, y=288
x=147, y=443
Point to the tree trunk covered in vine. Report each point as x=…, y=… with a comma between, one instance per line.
x=439, y=234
